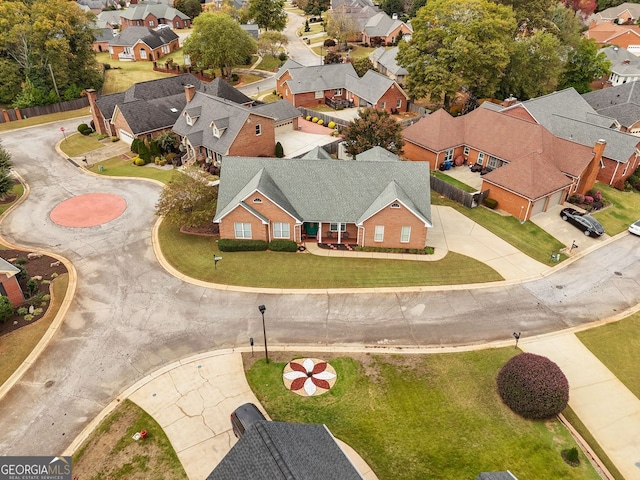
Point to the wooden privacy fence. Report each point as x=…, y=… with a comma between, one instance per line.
x=322, y=116
x=467, y=199
x=13, y=114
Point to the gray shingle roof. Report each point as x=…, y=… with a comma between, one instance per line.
x=377, y=154
x=286, y=66
x=140, y=12
x=220, y=88
x=381, y=25
x=252, y=29
x=8, y=268
x=219, y=112
x=613, y=12
x=319, y=77
x=153, y=38
x=621, y=102
x=568, y=115
x=387, y=59
x=151, y=115
x=372, y=86
x=103, y=34
x=285, y=451
x=317, y=153
x=110, y=16
x=328, y=190
x=107, y=103
x=279, y=111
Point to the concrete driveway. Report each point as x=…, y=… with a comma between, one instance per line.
x=551, y=222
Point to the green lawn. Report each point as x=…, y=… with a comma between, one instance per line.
x=360, y=51
x=624, y=211
x=18, y=191
x=77, y=144
x=425, y=417
x=42, y=119
x=118, y=167
x=453, y=181
x=528, y=237
x=193, y=256
x=617, y=346
x=122, y=75
x=270, y=63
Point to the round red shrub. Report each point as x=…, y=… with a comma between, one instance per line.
x=533, y=386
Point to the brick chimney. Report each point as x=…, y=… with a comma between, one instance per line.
x=189, y=91
x=507, y=102
x=588, y=177
x=92, y=95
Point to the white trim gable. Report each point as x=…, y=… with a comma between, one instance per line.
x=420, y=217
x=297, y=220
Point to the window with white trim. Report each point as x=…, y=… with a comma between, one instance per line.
x=399, y=103
x=333, y=227
x=166, y=49
x=280, y=230
x=152, y=23
x=405, y=235
x=378, y=235
x=383, y=105
x=258, y=129
x=448, y=156
x=466, y=151
x=143, y=54
x=242, y=230
x=480, y=158
x=319, y=94
x=338, y=92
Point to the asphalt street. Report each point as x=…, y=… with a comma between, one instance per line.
x=129, y=316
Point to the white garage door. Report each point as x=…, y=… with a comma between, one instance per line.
x=126, y=137
x=538, y=207
x=555, y=199
x=284, y=127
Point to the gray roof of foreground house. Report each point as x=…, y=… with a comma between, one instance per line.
x=387, y=58
x=252, y=29
x=164, y=93
x=140, y=12
x=567, y=115
x=326, y=190
x=220, y=88
x=317, y=153
x=621, y=102
x=227, y=116
x=286, y=451
x=152, y=38
x=370, y=87
x=279, y=111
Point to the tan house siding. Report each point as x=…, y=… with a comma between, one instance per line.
x=240, y=214
x=248, y=144
x=393, y=220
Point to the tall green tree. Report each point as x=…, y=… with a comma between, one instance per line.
x=373, y=128
x=6, y=180
x=535, y=67
x=268, y=14
x=192, y=8
x=457, y=44
x=217, y=40
x=585, y=64
x=392, y=6
x=363, y=65
x=47, y=40
x=314, y=7
x=189, y=199
x=531, y=15
x=271, y=42
x=566, y=26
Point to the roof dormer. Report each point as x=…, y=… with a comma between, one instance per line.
x=219, y=126
x=191, y=115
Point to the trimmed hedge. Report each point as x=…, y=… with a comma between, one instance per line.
x=233, y=245
x=283, y=246
x=490, y=203
x=533, y=386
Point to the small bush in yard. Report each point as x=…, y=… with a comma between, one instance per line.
x=533, y=386
x=308, y=118
x=283, y=246
x=22, y=311
x=571, y=456
x=320, y=122
x=138, y=161
x=490, y=203
x=6, y=309
x=232, y=245
x=331, y=124
x=314, y=119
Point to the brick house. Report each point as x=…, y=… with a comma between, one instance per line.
x=309, y=86
x=143, y=44
x=382, y=30
x=625, y=36
x=153, y=15
x=384, y=60
x=623, y=14
x=383, y=204
x=531, y=169
x=9, y=286
x=211, y=128
x=568, y=115
x=621, y=102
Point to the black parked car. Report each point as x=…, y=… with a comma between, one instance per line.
x=589, y=225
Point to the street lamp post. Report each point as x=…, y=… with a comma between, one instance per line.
x=262, y=309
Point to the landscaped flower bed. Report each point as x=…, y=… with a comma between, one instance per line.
x=592, y=201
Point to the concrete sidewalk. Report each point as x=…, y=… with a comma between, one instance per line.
x=606, y=407
x=192, y=401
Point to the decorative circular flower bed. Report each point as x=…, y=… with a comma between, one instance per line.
x=309, y=376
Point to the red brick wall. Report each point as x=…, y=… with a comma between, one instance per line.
x=98, y=118
x=393, y=220
x=610, y=175
x=248, y=144
x=14, y=292
x=116, y=50
x=271, y=211
x=119, y=122
x=240, y=214
x=100, y=46
x=390, y=98
x=507, y=201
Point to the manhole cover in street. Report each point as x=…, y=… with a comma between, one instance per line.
x=559, y=287
x=618, y=273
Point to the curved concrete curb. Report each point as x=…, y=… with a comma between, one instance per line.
x=62, y=311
